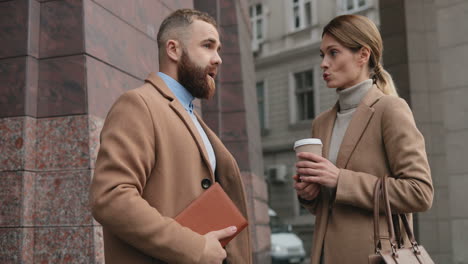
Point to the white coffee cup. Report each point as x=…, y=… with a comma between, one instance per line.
x=312, y=145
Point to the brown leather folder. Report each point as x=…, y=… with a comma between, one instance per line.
x=213, y=210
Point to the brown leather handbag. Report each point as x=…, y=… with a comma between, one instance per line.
x=398, y=254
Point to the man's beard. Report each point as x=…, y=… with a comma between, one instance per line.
x=194, y=78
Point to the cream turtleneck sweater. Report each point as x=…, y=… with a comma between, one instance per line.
x=348, y=100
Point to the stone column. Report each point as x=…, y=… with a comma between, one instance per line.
x=62, y=64
x=451, y=23
x=425, y=93
x=436, y=50
x=232, y=114
x=45, y=154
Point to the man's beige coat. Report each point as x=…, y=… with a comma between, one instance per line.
x=382, y=138
x=150, y=166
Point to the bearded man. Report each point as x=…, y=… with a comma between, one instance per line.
x=157, y=155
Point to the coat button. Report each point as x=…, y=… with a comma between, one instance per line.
x=206, y=183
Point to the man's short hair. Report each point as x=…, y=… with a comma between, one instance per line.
x=173, y=25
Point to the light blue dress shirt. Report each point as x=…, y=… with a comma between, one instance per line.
x=186, y=99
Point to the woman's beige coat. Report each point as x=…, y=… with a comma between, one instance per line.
x=150, y=166
x=382, y=138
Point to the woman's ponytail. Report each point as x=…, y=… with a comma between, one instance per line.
x=384, y=80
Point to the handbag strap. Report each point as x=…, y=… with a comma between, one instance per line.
x=380, y=190
x=388, y=214
x=377, y=189
x=409, y=232
x=396, y=226
x=408, y=229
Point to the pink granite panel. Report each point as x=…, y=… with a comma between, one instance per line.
x=64, y=245
x=260, y=188
x=145, y=15
x=28, y=199
x=115, y=42
x=12, y=86
x=61, y=198
x=247, y=180
x=29, y=144
x=11, y=143
x=98, y=245
x=16, y=194
x=27, y=245
x=261, y=212
x=104, y=85
x=228, y=12
x=234, y=126
x=176, y=4
x=61, y=28
x=263, y=237
x=62, y=87
x=212, y=120
x=208, y=6
x=18, y=86
x=16, y=245
x=95, y=127
x=13, y=28
x=212, y=104
x=231, y=68
x=240, y=152
x=232, y=97
x=32, y=82
x=10, y=198
x=10, y=239
x=62, y=143
x=230, y=40
x=34, y=18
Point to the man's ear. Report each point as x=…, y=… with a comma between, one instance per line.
x=364, y=55
x=173, y=50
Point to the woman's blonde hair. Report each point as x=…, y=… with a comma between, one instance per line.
x=355, y=32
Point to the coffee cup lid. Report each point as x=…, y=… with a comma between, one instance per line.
x=307, y=141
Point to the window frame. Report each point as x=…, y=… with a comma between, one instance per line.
x=265, y=125
x=303, y=21
x=254, y=18
x=343, y=6
x=293, y=106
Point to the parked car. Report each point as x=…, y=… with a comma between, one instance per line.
x=286, y=247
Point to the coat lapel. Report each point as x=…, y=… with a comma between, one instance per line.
x=326, y=132
x=161, y=86
x=357, y=126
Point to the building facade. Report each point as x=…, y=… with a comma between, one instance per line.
x=290, y=90
x=425, y=50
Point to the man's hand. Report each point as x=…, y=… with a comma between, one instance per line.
x=213, y=253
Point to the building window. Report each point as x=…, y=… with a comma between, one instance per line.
x=304, y=95
x=262, y=105
x=257, y=24
x=301, y=14
x=351, y=6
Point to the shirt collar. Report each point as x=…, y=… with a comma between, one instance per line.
x=182, y=94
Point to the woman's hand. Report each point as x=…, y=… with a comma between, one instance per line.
x=316, y=169
x=306, y=190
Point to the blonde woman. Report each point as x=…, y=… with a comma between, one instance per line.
x=370, y=132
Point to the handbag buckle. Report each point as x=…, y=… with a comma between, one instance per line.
x=394, y=250
x=416, y=248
